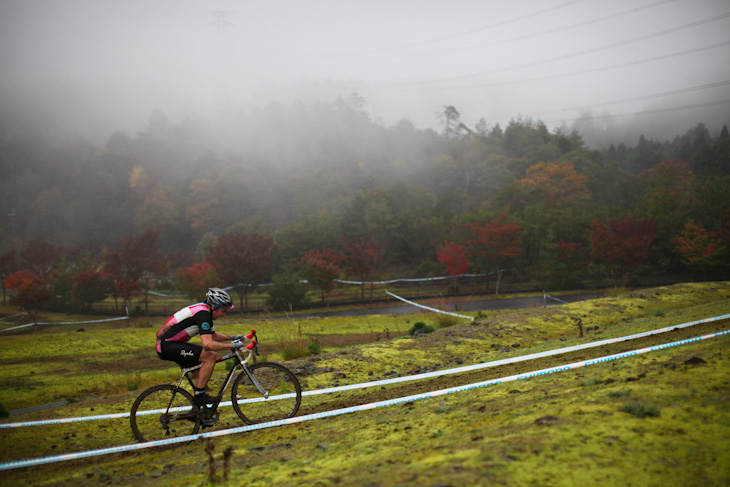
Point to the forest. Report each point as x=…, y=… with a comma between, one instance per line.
x=322, y=191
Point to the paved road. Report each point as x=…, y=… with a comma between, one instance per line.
x=478, y=305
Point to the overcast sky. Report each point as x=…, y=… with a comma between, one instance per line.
x=497, y=60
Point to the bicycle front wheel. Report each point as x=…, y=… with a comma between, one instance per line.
x=278, y=397
x=163, y=412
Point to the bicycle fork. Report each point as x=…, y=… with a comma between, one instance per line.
x=256, y=383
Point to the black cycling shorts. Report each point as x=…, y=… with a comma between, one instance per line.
x=184, y=354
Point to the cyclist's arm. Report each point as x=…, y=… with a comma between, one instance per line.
x=220, y=337
x=209, y=343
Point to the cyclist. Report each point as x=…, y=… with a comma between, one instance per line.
x=197, y=319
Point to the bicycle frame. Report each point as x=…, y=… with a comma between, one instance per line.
x=241, y=362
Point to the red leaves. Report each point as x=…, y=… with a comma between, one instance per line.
x=243, y=261
x=89, y=286
x=195, y=280
x=454, y=257
x=495, y=240
x=321, y=268
x=621, y=244
x=19, y=279
x=699, y=247
x=361, y=257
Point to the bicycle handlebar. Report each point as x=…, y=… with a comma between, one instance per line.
x=251, y=347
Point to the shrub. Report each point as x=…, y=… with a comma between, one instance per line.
x=640, y=411
x=615, y=394
x=287, y=294
x=314, y=348
x=444, y=321
x=420, y=325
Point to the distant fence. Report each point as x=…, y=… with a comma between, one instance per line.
x=345, y=292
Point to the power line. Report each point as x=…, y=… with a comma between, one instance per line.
x=461, y=34
x=648, y=97
x=538, y=34
x=576, y=73
x=568, y=56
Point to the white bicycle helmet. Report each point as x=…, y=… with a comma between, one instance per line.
x=218, y=297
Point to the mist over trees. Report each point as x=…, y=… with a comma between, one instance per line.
x=312, y=176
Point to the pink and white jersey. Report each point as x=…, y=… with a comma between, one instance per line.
x=186, y=323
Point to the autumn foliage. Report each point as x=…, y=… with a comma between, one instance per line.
x=196, y=279
x=243, y=261
x=495, y=242
x=454, y=257
x=701, y=249
x=621, y=245
x=361, y=258
x=31, y=290
x=90, y=286
x=321, y=268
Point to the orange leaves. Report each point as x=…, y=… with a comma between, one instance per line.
x=557, y=184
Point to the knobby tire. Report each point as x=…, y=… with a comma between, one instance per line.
x=278, y=381
x=164, y=425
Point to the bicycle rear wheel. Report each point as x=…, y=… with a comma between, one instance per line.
x=163, y=412
x=281, y=399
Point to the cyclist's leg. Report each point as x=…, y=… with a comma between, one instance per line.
x=208, y=359
x=184, y=354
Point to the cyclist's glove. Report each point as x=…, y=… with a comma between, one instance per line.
x=238, y=338
x=237, y=344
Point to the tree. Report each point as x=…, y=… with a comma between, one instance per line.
x=361, y=258
x=135, y=265
x=454, y=257
x=669, y=197
x=494, y=243
x=287, y=293
x=450, y=120
x=31, y=291
x=40, y=256
x=567, y=262
x=8, y=265
x=621, y=245
x=196, y=279
x=321, y=268
x=243, y=261
x=554, y=197
x=89, y=287
x=699, y=248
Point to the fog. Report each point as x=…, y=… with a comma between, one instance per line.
x=617, y=67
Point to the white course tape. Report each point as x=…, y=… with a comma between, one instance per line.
x=415, y=279
x=338, y=412
x=12, y=316
x=65, y=323
x=395, y=380
x=428, y=308
x=554, y=298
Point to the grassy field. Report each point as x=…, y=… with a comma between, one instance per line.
x=655, y=419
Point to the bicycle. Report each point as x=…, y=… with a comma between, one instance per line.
x=262, y=392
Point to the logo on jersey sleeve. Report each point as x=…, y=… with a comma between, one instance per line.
x=205, y=326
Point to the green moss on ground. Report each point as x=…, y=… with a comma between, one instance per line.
x=570, y=428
